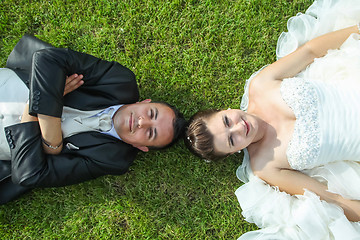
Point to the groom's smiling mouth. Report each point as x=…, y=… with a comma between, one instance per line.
x=131, y=122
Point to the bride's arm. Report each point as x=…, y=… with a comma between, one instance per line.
x=295, y=182
x=298, y=60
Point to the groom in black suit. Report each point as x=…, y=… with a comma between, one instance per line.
x=85, y=155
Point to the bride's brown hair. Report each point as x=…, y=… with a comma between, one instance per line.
x=198, y=138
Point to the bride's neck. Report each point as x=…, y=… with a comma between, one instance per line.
x=262, y=129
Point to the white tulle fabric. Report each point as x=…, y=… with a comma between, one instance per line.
x=278, y=214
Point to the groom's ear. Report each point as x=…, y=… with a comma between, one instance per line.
x=142, y=148
x=145, y=101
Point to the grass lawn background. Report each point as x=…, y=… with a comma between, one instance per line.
x=193, y=54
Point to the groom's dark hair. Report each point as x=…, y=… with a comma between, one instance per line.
x=179, y=125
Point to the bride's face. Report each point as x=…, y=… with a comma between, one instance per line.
x=232, y=129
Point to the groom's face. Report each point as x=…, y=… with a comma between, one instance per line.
x=145, y=124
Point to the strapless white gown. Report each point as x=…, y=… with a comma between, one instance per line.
x=326, y=140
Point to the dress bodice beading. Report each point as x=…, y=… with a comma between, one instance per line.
x=304, y=147
x=326, y=128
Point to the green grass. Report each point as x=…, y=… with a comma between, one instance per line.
x=193, y=54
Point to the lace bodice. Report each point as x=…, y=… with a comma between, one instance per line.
x=301, y=97
x=321, y=134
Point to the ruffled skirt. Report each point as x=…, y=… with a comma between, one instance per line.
x=278, y=214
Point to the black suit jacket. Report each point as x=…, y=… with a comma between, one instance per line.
x=85, y=156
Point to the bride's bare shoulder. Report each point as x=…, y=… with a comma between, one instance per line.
x=263, y=83
x=265, y=160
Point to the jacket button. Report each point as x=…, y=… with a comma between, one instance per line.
x=35, y=108
x=10, y=141
x=8, y=136
x=36, y=97
x=37, y=92
x=35, y=102
x=7, y=131
x=12, y=146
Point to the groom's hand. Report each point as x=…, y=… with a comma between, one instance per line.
x=72, y=83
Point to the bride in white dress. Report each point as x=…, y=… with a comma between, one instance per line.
x=300, y=120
